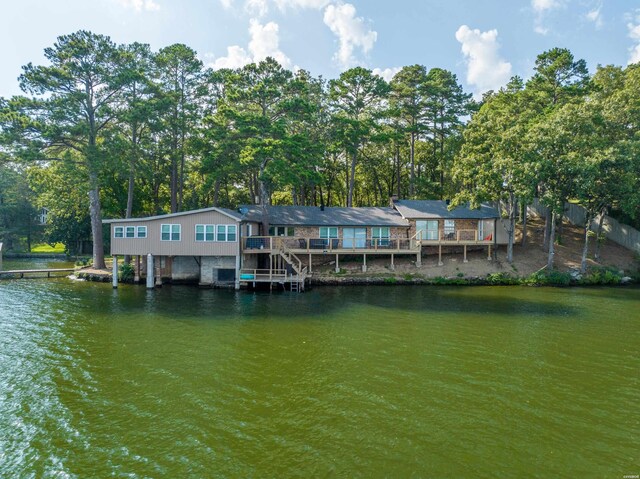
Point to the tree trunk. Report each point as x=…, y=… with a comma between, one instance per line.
x=264, y=199
x=398, y=186
x=552, y=237
x=524, y=225
x=547, y=230
x=412, y=180
x=352, y=182
x=596, y=256
x=512, y=206
x=560, y=226
x=585, y=249
x=96, y=220
x=216, y=192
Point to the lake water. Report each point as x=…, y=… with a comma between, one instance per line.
x=335, y=382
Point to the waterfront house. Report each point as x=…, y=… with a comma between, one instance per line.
x=216, y=246
x=305, y=232
x=433, y=223
x=201, y=245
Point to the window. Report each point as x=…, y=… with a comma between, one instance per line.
x=130, y=232
x=118, y=232
x=170, y=232
x=381, y=234
x=449, y=229
x=354, y=237
x=231, y=233
x=328, y=232
x=205, y=232
x=427, y=229
x=281, y=231
x=226, y=233
x=141, y=232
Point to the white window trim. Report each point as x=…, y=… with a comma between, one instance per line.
x=204, y=233
x=328, y=235
x=171, y=225
x=126, y=232
x=138, y=228
x=115, y=232
x=226, y=233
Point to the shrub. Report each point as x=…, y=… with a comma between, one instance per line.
x=549, y=278
x=126, y=272
x=390, y=280
x=501, y=279
x=602, y=276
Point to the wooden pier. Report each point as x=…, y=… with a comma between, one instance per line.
x=35, y=272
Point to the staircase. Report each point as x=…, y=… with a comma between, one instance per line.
x=296, y=280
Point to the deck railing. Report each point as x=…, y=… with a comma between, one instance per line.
x=313, y=245
x=457, y=236
x=262, y=274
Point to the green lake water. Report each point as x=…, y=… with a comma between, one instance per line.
x=335, y=382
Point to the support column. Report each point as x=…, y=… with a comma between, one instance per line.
x=114, y=273
x=158, y=261
x=489, y=253
x=136, y=274
x=150, y=270
x=465, y=255
x=310, y=263
x=364, y=264
x=440, y=263
x=238, y=266
x=393, y=266
x=337, y=265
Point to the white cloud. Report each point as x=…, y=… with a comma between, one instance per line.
x=140, y=5
x=541, y=7
x=485, y=69
x=634, y=34
x=595, y=16
x=226, y=4
x=264, y=43
x=256, y=7
x=387, y=73
x=313, y=4
x=352, y=32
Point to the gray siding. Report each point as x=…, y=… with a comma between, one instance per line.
x=187, y=246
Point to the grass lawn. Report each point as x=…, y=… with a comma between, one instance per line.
x=47, y=248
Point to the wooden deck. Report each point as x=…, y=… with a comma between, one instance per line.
x=35, y=272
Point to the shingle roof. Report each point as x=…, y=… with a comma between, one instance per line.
x=417, y=209
x=330, y=216
x=233, y=214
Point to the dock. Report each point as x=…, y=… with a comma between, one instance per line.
x=35, y=272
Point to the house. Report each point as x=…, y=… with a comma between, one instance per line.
x=434, y=224
x=215, y=246
x=201, y=245
x=308, y=231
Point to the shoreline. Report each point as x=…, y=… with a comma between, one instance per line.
x=604, y=277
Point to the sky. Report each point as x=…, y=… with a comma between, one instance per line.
x=484, y=42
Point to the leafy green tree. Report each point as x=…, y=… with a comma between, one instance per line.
x=558, y=79
x=357, y=99
x=408, y=103
x=493, y=163
x=446, y=106
x=78, y=91
x=180, y=79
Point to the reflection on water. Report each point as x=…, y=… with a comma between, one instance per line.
x=376, y=381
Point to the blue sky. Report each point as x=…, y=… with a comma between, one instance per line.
x=483, y=41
